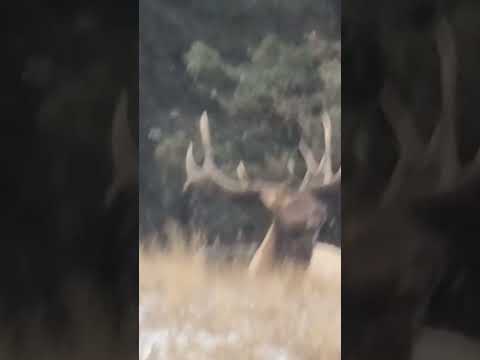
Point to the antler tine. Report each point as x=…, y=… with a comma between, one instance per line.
x=401, y=122
x=194, y=172
x=209, y=171
x=123, y=149
x=206, y=138
x=312, y=166
x=327, y=154
x=307, y=154
x=323, y=169
x=242, y=172
x=311, y=163
x=443, y=145
x=122, y=140
x=337, y=176
x=409, y=142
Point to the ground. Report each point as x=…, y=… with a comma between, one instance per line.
x=193, y=309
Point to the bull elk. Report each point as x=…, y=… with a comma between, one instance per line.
x=410, y=262
x=294, y=210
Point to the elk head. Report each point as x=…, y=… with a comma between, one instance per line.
x=294, y=210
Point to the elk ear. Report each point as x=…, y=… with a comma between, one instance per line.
x=124, y=154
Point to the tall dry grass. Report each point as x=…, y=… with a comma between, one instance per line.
x=194, y=308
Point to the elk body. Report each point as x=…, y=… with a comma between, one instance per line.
x=409, y=262
x=295, y=211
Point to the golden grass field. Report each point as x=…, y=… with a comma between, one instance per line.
x=196, y=309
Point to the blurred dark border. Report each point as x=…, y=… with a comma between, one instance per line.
x=68, y=262
x=388, y=254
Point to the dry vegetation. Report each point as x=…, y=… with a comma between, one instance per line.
x=192, y=308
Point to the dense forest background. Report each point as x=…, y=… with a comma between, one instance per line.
x=264, y=71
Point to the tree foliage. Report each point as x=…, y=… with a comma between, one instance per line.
x=264, y=79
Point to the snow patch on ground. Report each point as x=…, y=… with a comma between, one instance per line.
x=188, y=341
x=194, y=343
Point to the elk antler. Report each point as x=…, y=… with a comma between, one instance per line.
x=436, y=162
x=319, y=174
x=408, y=139
x=443, y=146
x=209, y=171
x=123, y=150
